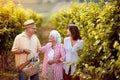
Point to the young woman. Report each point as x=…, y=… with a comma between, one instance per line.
x=54, y=55
x=72, y=44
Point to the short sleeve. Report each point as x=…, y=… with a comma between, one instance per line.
x=15, y=44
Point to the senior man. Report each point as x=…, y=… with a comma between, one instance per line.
x=26, y=45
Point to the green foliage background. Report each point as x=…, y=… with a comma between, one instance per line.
x=12, y=18
x=99, y=25
x=100, y=29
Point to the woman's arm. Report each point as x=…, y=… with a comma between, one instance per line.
x=61, y=58
x=63, y=53
x=44, y=48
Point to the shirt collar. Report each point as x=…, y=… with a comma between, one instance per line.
x=25, y=35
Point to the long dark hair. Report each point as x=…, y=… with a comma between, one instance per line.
x=75, y=32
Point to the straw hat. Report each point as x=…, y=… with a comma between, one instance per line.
x=28, y=22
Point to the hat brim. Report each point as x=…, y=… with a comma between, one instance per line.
x=28, y=24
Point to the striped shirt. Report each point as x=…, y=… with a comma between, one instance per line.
x=58, y=68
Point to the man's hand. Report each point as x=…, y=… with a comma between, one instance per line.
x=39, y=50
x=27, y=51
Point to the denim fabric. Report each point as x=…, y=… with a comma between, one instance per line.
x=23, y=77
x=34, y=77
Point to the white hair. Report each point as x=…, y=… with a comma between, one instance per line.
x=56, y=35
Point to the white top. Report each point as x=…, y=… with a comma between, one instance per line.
x=71, y=53
x=51, y=54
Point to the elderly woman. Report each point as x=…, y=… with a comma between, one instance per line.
x=54, y=55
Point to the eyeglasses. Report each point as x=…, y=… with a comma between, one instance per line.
x=33, y=28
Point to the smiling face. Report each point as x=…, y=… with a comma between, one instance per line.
x=51, y=39
x=31, y=29
x=68, y=32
